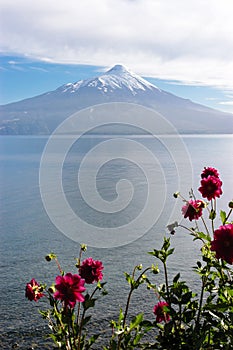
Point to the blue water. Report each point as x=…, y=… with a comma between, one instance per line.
x=28, y=232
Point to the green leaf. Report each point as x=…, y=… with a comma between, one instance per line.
x=223, y=216
x=176, y=278
x=155, y=253
x=128, y=278
x=170, y=251
x=86, y=320
x=202, y=235
x=186, y=297
x=136, y=321
x=88, y=302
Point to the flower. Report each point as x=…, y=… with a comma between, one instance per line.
x=160, y=312
x=210, y=187
x=91, y=270
x=33, y=290
x=209, y=172
x=69, y=289
x=193, y=209
x=223, y=243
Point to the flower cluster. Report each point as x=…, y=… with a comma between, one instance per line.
x=182, y=319
x=211, y=188
x=66, y=321
x=69, y=287
x=211, y=185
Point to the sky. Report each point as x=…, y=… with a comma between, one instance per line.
x=182, y=46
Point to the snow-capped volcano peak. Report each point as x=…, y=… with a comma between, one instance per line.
x=118, y=77
x=118, y=69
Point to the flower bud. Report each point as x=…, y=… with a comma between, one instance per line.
x=83, y=247
x=52, y=289
x=154, y=269
x=50, y=257
x=171, y=227
x=230, y=204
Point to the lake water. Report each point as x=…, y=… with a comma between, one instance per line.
x=123, y=219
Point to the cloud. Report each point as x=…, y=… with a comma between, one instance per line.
x=227, y=103
x=182, y=40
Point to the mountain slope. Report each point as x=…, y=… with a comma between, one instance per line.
x=43, y=113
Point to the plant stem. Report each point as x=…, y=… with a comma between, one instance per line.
x=213, y=209
x=130, y=293
x=206, y=228
x=59, y=266
x=166, y=282
x=132, y=288
x=81, y=320
x=230, y=211
x=200, y=303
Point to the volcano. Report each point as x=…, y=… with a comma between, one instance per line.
x=43, y=113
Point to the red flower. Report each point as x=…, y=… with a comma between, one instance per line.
x=33, y=290
x=193, y=209
x=209, y=172
x=91, y=270
x=223, y=243
x=160, y=313
x=210, y=187
x=69, y=289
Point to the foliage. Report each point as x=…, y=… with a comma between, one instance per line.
x=183, y=319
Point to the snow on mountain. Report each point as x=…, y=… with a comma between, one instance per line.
x=118, y=77
x=43, y=113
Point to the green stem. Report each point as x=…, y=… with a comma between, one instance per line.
x=130, y=293
x=206, y=228
x=81, y=320
x=132, y=288
x=200, y=304
x=187, y=228
x=59, y=266
x=166, y=283
x=227, y=217
x=69, y=334
x=213, y=209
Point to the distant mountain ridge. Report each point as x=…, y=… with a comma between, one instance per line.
x=43, y=113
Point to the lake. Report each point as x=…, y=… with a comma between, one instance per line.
x=113, y=193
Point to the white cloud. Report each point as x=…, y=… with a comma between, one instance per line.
x=190, y=41
x=227, y=103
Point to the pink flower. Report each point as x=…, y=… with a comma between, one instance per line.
x=160, y=313
x=209, y=172
x=210, y=187
x=33, y=290
x=193, y=209
x=69, y=289
x=91, y=270
x=223, y=243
